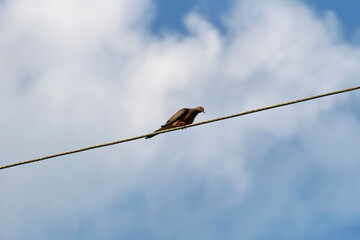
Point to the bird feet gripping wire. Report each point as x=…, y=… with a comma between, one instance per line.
x=182, y=124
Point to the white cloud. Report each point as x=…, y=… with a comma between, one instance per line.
x=78, y=73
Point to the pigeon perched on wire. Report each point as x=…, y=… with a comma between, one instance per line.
x=182, y=117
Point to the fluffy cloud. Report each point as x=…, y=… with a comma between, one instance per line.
x=78, y=73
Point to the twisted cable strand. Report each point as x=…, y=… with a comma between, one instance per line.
x=177, y=128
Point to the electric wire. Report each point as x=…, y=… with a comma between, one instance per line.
x=177, y=128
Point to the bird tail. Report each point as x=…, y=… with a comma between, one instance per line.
x=152, y=135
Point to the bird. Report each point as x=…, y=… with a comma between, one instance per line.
x=182, y=117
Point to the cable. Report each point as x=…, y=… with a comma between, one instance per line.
x=187, y=126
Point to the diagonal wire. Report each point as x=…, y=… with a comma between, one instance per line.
x=177, y=128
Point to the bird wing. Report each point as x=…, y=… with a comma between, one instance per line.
x=179, y=115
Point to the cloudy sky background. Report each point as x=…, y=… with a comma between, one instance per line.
x=80, y=73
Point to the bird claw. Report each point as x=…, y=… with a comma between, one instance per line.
x=182, y=124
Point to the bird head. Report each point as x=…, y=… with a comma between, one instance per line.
x=200, y=109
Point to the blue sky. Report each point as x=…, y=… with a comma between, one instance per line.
x=344, y=10
x=80, y=73
x=170, y=15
